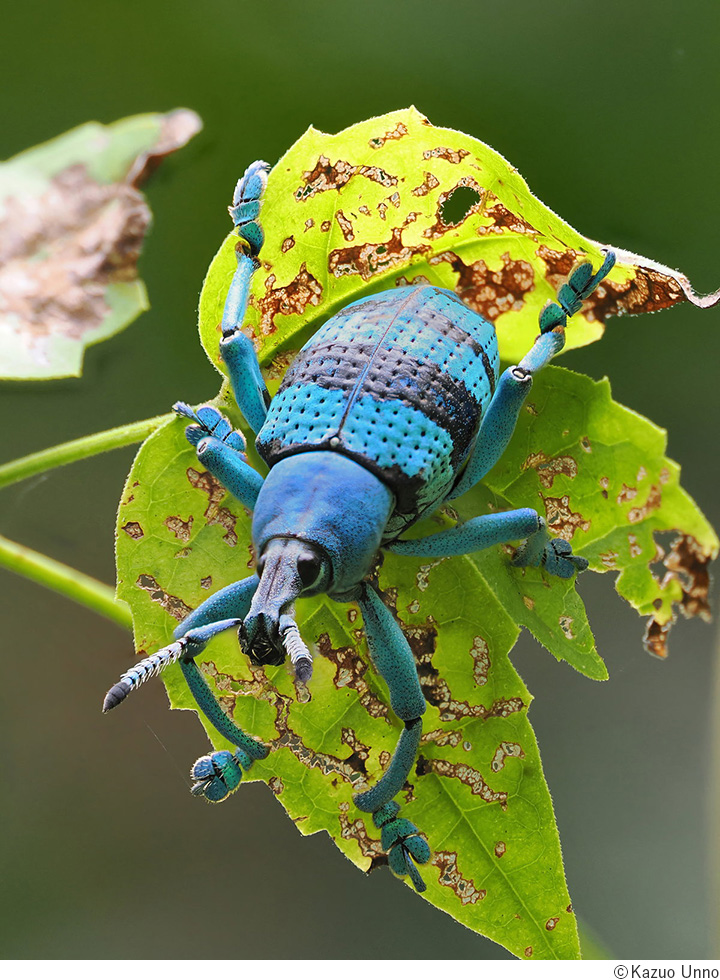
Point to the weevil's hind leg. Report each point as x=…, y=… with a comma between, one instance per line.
x=218, y=774
x=394, y=661
x=236, y=349
x=220, y=449
x=499, y=422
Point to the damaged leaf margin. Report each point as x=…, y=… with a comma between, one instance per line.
x=72, y=225
x=350, y=214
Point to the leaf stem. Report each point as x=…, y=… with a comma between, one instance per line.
x=69, y=452
x=65, y=580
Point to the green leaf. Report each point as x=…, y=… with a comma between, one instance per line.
x=394, y=200
x=599, y=470
x=72, y=224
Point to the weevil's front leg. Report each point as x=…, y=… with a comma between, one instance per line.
x=553, y=554
x=220, y=449
x=501, y=417
x=218, y=774
x=236, y=349
x=394, y=661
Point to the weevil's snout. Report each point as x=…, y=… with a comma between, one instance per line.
x=287, y=569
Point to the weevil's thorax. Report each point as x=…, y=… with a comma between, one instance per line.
x=397, y=382
x=330, y=502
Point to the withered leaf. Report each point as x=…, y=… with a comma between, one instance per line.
x=72, y=224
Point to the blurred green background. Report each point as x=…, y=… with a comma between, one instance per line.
x=611, y=112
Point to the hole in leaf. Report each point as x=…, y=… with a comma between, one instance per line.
x=458, y=205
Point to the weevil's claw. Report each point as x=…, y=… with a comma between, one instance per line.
x=403, y=843
x=209, y=422
x=219, y=774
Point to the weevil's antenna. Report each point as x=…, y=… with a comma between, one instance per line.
x=295, y=647
x=186, y=647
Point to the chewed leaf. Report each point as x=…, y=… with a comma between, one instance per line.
x=72, y=224
x=394, y=200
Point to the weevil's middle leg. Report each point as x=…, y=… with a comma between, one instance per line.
x=394, y=661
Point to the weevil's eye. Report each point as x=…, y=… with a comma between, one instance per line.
x=309, y=567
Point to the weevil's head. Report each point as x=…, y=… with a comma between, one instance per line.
x=317, y=526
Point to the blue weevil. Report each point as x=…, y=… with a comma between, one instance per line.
x=392, y=408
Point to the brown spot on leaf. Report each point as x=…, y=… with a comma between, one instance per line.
x=585, y=445
x=528, y=951
x=214, y=514
x=655, y=638
x=609, y=558
x=326, y=176
x=429, y=183
x=444, y=153
x=345, y=226
x=635, y=549
x=133, y=529
x=206, y=583
x=397, y=133
x=627, y=493
x=551, y=923
x=490, y=292
x=566, y=625
x=562, y=521
x=441, y=736
x=506, y=750
x=654, y=501
x=422, y=578
x=500, y=848
x=276, y=785
x=293, y=299
x=449, y=875
x=181, y=529
x=170, y=603
x=310, y=223
x=357, y=831
x=372, y=258
x=325, y=226
x=547, y=469
x=350, y=672
x=529, y=603
x=504, y=221
x=288, y=243
x=466, y=774
x=686, y=562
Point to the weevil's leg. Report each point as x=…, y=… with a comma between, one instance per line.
x=236, y=349
x=220, y=448
x=499, y=422
x=553, y=554
x=231, y=469
x=232, y=602
x=218, y=774
x=394, y=661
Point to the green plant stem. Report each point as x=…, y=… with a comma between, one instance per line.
x=69, y=452
x=65, y=580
